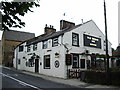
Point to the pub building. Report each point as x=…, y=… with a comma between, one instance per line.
x=75, y=47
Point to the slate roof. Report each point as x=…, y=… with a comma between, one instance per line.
x=17, y=35
x=56, y=34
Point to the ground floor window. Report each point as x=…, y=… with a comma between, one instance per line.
x=47, y=62
x=18, y=61
x=75, y=61
x=30, y=63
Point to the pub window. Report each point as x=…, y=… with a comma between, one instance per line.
x=31, y=62
x=75, y=61
x=55, y=42
x=47, y=62
x=28, y=48
x=34, y=47
x=75, y=39
x=21, y=48
x=45, y=44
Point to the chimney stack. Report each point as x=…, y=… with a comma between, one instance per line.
x=49, y=29
x=64, y=24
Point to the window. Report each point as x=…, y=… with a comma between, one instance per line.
x=21, y=48
x=19, y=61
x=34, y=47
x=30, y=63
x=47, y=62
x=75, y=61
x=75, y=39
x=45, y=44
x=55, y=42
x=28, y=48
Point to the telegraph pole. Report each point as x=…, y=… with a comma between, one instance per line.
x=107, y=56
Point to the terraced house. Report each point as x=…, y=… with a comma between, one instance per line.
x=54, y=53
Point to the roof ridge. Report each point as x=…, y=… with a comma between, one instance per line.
x=19, y=31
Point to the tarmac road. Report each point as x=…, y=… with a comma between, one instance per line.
x=12, y=79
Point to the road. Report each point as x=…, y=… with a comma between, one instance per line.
x=17, y=80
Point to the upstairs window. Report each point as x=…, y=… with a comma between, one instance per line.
x=75, y=39
x=28, y=48
x=45, y=44
x=34, y=47
x=55, y=42
x=21, y=48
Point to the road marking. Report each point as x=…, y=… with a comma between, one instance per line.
x=20, y=82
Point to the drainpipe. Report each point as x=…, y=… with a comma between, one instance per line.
x=66, y=51
x=16, y=59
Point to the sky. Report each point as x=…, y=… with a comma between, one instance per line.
x=51, y=12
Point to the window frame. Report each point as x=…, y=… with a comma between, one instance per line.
x=35, y=47
x=55, y=42
x=19, y=61
x=44, y=44
x=28, y=48
x=74, y=60
x=45, y=65
x=21, y=50
x=77, y=39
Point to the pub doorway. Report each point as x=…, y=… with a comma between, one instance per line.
x=36, y=65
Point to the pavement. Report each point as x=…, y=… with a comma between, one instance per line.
x=72, y=82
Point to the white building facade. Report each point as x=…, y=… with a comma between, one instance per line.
x=70, y=48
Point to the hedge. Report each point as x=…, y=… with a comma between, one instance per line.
x=100, y=78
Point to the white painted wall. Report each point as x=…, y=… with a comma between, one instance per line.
x=89, y=28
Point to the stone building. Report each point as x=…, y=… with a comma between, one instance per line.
x=10, y=39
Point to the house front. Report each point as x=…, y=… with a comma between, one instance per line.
x=54, y=53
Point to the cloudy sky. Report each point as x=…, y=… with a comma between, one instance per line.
x=51, y=12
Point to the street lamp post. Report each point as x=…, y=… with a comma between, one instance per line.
x=107, y=56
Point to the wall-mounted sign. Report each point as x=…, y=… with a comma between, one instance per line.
x=68, y=59
x=91, y=41
x=57, y=64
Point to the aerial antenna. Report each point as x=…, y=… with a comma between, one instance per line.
x=64, y=14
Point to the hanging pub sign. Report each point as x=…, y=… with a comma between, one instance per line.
x=68, y=59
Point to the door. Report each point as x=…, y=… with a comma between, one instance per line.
x=36, y=65
x=82, y=63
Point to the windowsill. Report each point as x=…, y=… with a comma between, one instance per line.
x=76, y=45
x=75, y=67
x=46, y=67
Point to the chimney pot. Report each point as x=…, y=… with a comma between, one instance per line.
x=52, y=26
x=45, y=25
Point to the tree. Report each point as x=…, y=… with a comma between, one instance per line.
x=12, y=10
